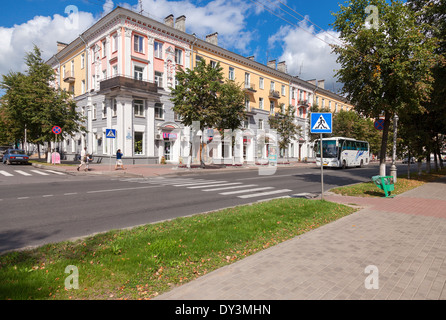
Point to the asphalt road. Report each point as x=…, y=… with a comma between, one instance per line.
x=37, y=209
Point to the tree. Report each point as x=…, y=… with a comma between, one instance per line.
x=386, y=69
x=31, y=103
x=232, y=111
x=352, y=125
x=201, y=95
x=283, y=123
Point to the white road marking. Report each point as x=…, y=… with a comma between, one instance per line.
x=198, y=183
x=23, y=172
x=263, y=193
x=40, y=172
x=56, y=172
x=214, y=185
x=234, y=187
x=244, y=191
x=6, y=173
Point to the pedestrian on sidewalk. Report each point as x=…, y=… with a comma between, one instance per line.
x=83, y=159
x=119, y=160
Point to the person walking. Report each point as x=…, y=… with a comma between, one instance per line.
x=83, y=159
x=119, y=160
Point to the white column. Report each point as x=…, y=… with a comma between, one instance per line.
x=150, y=69
x=128, y=126
x=150, y=130
x=128, y=53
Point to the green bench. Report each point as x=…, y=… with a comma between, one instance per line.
x=385, y=183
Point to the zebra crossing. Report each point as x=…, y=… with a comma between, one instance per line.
x=29, y=173
x=221, y=187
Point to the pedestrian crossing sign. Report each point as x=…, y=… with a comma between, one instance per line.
x=110, y=133
x=321, y=122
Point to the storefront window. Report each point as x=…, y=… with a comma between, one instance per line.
x=138, y=143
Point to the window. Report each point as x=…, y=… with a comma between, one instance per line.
x=271, y=107
x=247, y=80
x=283, y=90
x=176, y=116
x=63, y=72
x=213, y=64
x=323, y=103
x=138, y=106
x=104, y=74
x=138, y=72
x=138, y=42
x=197, y=60
x=83, y=86
x=336, y=107
x=261, y=83
x=115, y=108
x=138, y=143
x=329, y=105
x=261, y=103
x=158, y=50
x=178, y=56
x=159, y=78
x=247, y=102
x=114, y=70
x=272, y=86
x=115, y=43
x=260, y=124
x=104, y=49
x=231, y=75
x=93, y=116
x=82, y=60
x=301, y=112
x=104, y=110
x=72, y=68
x=159, y=111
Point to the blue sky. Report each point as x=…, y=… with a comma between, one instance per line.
x=245, y=26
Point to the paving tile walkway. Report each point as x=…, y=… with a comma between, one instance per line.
x=390, y=249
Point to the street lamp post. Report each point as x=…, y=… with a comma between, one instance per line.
x=393, y=170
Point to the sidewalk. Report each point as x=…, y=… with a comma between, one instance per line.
x=402, y=240
x=152, y=170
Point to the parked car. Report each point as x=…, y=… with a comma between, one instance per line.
x=3, y=149
x=412, y=160
x=15, y=155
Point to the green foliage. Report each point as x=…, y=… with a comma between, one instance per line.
x=387, y=70
x=283, y=123
x=32, y=102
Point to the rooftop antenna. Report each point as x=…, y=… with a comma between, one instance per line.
x=140, y=7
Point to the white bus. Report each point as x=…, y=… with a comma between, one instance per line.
x=340, y=152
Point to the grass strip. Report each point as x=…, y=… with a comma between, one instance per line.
x=142, y=262
x=403, y=184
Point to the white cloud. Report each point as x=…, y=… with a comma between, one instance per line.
x=228, y=18
x=307, y=53
x=41, y=31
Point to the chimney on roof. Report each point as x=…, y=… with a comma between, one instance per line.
x=212, y=38
x=180, y=23
x=321, y=84
x=251, y=58
x=281, y=66
x=312, y=81
x=271, y=64
x=168, y=21
x=61, y=46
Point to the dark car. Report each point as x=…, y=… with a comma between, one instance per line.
x=15, y=155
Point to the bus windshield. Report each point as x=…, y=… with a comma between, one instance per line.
x=328, y=147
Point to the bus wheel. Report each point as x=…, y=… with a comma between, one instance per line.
x=344, y=165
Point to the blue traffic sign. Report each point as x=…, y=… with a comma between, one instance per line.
x=379, y=124
x=321, y=122
x=110, y=133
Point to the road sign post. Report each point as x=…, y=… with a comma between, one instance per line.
x=55, y=157
x=321, y=122
x=110, y=134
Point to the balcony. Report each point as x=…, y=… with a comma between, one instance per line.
x=274, y=94
x=250, y=87
x=126, y=83
x=69, y=77
x=304, y=103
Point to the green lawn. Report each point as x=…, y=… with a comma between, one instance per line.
x=145, y=261
x=403, y=184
